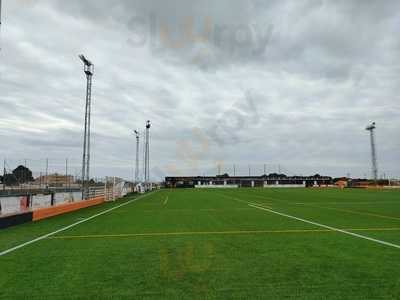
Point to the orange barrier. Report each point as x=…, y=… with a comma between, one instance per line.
x=48, y=212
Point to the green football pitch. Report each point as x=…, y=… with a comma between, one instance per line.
x=208, y=244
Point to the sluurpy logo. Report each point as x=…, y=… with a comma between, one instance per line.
x=201, y=38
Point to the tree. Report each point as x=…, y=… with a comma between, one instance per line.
x=276, y=175
x=226, y=175
x=23, y=174
x=9, y=179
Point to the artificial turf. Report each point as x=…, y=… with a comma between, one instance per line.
x=211, y=244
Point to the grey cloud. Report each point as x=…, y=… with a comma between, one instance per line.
x=318, y=72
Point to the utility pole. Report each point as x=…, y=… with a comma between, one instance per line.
x=137, y=156
x=88, y=70
x=265, y=169
x=371, y=128
x=234, y=170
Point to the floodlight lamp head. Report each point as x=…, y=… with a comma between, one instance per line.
x=85, y=61
x=148, y=124
x=371, y=127
x=88, y=65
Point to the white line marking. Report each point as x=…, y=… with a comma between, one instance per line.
x=68, y=227
x=266, y=205
x=166, y=201
x=329, y=227
x=335, y=209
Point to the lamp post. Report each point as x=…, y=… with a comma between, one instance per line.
x=88, y=69
x=147, y=155
x=0, y=23
x=137, y=156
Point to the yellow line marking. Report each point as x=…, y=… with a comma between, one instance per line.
x=193, y=210
x=40, y=238
x=237, y=232
x=222, y=210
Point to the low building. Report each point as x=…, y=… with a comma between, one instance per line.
x=55, y=180
x=272, y=180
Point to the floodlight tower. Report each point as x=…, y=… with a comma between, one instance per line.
x=88, y=69
x=371, y=128
x=137, y=156
x=147, y=154
x=144, y=156
x=0, y=24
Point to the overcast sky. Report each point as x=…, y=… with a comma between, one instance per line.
x=250, y=82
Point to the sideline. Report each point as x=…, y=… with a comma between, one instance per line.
x=70, y=226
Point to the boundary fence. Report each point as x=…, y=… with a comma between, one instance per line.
x=22, y=202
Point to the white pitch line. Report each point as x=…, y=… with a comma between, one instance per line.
x=166, y=201
x=328, y=227
x=68, y=227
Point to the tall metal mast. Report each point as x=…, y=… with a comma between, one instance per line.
x=0, y=24
x=147, y=153
x=88, y=70
x=137, y=156
x=371, y=128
